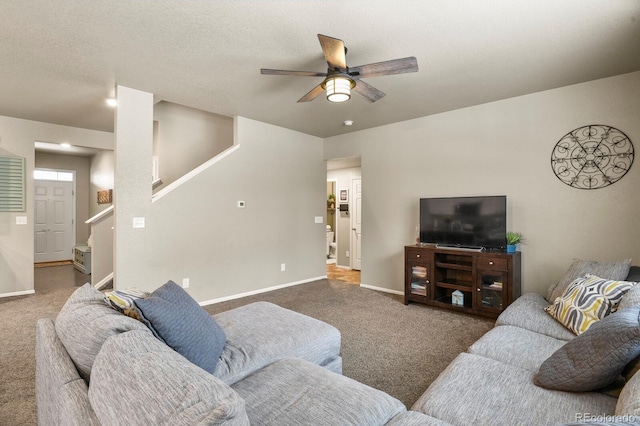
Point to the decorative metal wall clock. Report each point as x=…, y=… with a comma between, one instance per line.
x=592, y=156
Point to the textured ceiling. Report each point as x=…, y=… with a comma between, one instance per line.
x=59, y=60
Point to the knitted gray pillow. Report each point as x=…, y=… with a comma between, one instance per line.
x=595, y=358
x=630, y=298
x=177, y=320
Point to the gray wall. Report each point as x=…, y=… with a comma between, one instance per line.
x=196, y=231
x=16, y=241
x=81, y=167
x=187, y=137
x=500, y=148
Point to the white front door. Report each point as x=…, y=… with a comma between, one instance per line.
x=356, y=223
x=53, y=221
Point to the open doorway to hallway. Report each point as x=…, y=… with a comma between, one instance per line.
x=350, y=276
x=343, y=219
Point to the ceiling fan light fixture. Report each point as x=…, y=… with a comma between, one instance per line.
x=339, y=88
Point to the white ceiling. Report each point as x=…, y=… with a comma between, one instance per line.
x=59, y=60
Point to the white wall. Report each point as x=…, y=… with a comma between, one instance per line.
x=500, y=148
x=16, y=241
x=187, y=137
x=197, y=231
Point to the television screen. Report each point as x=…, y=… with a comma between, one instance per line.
x=471, y=222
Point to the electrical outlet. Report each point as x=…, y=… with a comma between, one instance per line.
x=283, y=267
x=347, y=253
x=185, y=283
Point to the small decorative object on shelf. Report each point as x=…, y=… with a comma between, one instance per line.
x=457, y=298
x=513, y=238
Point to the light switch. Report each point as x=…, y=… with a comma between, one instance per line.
x=319, y=219
x=138, y=222
x=21, y=220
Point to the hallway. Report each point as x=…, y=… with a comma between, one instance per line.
x=349, y=276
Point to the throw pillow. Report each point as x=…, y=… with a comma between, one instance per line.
x=587, y=300
x=611, y=270
x=176, y=319
x=631, y=298
x=629, y=400
x=84, y=324
x=597, y=357
x=124, y=301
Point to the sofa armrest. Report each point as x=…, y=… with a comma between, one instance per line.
x=61, y=394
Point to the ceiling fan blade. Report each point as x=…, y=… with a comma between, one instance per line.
x=334, y=53
x=395, y=66
x=297, y=73
x=367, y=91
x=313, y=93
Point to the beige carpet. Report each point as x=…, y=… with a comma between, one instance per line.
x=385, y=344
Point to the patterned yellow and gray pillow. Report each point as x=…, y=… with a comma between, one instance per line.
x=587, y=300
x=123, y=301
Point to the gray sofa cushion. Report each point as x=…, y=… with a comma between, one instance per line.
x=629, y=399
x=474, y=390
x=85, y=322
x=296, y=392
x=611, y=270
x=595, y=358
x=415, y=418
x=176, y=319
x=261, y=333
x=528, y=312
x=516, y=346
x=139, y=380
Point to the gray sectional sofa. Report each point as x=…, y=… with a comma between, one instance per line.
x=279, y=367
x=493, y=382
x=96, y=366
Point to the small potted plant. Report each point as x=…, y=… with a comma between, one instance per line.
x=513, y=238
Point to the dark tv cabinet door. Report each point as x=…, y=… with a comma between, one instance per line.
x=479, y=283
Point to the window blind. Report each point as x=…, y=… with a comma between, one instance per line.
x=12, y=184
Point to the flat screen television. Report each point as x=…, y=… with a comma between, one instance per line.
x=464, y=222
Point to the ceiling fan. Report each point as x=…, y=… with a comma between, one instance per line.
x=340, y=79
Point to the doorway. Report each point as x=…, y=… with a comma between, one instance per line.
x=54, y=218
x=347, y=264
x=332, y=230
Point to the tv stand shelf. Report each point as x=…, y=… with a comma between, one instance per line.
x=477, y=282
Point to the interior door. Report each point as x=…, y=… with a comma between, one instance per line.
x=356, y=224
x=53, y=223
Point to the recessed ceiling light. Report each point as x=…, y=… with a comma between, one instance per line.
x=65, y=145
x=112, y=102
x=348, y=122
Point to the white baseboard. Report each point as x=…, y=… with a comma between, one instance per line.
x=17, y=293
x=348, y=268
x=103, y=282
x=262, y=290
x=382, y=289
